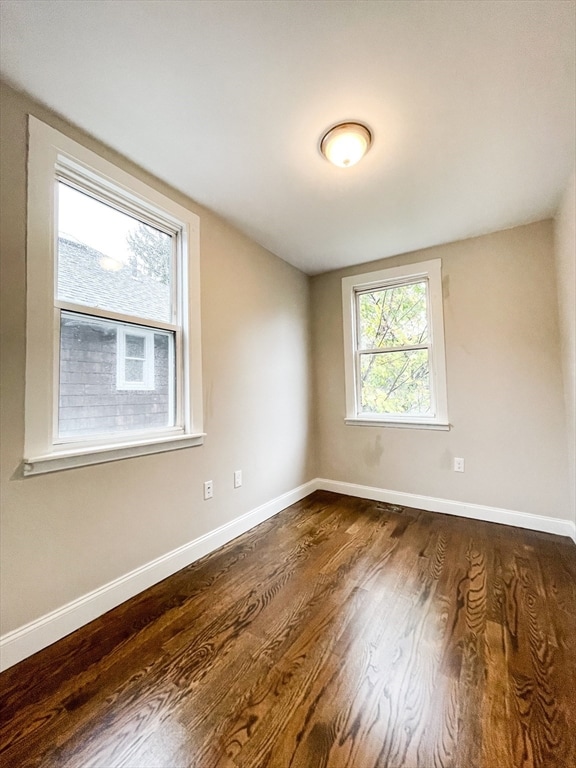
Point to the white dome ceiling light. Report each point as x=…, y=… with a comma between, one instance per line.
x=346, y=143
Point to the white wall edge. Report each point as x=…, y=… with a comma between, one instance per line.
x=540, y=523
x=40, y=633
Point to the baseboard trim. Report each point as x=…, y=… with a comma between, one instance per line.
x=36, y=635
x=474, y=511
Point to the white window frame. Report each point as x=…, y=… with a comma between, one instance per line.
x=431, y=272
x=53, y=156
x=147, y=382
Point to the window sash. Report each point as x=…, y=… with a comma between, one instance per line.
x=358, y=293
x=105, y=314
x=393, y=414
x=176, y=365
x=85, y=181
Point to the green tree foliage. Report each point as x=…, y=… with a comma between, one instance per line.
x=151, y=252
x=394, y=380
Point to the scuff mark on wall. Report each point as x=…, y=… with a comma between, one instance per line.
x=373, y=452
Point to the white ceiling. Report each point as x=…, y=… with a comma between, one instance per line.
x=472, y=107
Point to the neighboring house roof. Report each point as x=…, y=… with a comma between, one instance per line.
x=82, y=279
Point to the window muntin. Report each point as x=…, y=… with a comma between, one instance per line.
x=56, y=162
x=394, y=347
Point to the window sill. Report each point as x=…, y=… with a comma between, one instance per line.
x=78, y=457
x=374, y=422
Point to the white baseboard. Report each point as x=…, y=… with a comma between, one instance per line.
x=38, y=634
x=554, y=525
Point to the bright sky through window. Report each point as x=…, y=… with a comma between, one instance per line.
x=99, y=226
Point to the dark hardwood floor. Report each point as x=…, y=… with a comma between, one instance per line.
x=341, y=633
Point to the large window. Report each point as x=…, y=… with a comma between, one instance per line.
x=394, y=347
x=113, y=356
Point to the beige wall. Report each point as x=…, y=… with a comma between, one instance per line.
x=504, y=383
x=67, y=533
x=565, y=251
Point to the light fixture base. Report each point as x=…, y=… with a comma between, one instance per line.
x=346, y=143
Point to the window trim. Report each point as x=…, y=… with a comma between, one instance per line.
x=51, y=156
x=431, y=271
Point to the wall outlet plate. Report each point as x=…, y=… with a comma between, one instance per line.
x=458, y=465
x=237, y=478
x=208, y=489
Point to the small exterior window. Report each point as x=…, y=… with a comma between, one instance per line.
x=394, y=347
x=134, y=359
x=113, y=312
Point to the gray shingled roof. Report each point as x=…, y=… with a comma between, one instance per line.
x=83, y=280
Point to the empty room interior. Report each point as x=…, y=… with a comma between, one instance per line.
x=288, y=374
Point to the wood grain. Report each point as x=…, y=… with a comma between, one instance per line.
x=342, y=633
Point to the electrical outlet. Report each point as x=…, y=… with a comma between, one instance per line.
x=238, y=478
x=458, y=465
x=208, y=489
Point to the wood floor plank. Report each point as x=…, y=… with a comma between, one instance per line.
x=342, y=633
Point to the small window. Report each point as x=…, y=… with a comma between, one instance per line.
x=394, y=337
x=134, y=359
x=113, y=312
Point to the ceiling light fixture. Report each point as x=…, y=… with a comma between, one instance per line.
x=346, y=143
